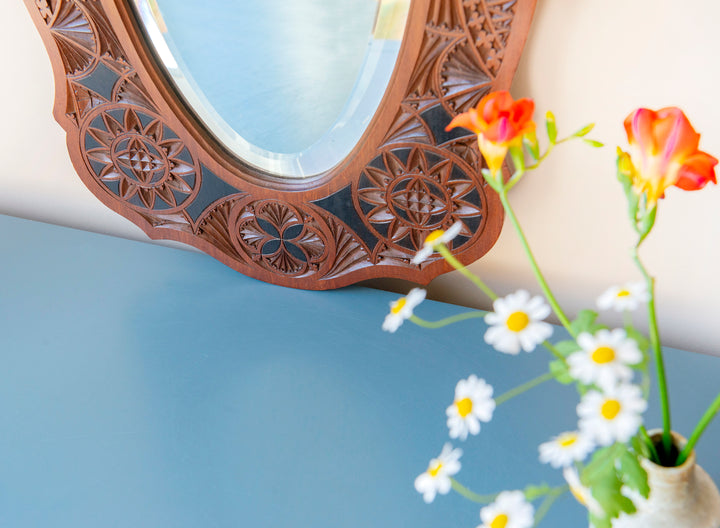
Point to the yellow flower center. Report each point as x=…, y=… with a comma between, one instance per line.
x=603, y=355
x=500, y=521
x=432, y=237
x=517, y=322
x=567, y=440
x=434, y=469
x=623, y=293
x=610, y=409
x=464, y=406
x=398, y=305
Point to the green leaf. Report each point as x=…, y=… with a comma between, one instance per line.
x=600, y=458
x=600, y=522
x=634, y=476
x=640, y=447
x=584, y=131
x=559, y=369
x=593, y=143
x=585, y=322
x=566, y=347
x=551, y=127
x=605, y=487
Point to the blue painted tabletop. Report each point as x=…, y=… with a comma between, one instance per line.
x=143, y=386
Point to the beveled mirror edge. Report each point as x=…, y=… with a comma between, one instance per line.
x=322, y=234
x=333, y=146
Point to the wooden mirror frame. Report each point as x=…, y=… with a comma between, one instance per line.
x=140, y=149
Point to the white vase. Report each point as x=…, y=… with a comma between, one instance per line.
x=680, y=497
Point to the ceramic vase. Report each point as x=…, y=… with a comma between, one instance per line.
x=680, y=497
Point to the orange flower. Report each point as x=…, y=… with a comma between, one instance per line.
x=664, y=152
x=500, y=123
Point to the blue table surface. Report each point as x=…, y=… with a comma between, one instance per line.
x=143, y=386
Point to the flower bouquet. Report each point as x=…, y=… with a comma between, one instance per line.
x=610, y=461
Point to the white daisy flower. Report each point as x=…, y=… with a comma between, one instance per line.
x=582, y=493
x=510, y=510
x=403, y=309
x=605, y=358
x=434, y=239
x=565, y=449
x=517, y=323
x=473, y=404
x=611, y=417
x=437, y=477
x=624, y=298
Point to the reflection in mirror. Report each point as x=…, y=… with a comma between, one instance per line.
x=289, y=87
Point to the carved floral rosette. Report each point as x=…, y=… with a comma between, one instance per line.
x=145, y=155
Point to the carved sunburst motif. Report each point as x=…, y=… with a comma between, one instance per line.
x=407, y=193
x=327, y=234
x=137, y=158
x=72, y=32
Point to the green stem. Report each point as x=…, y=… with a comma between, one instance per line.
x=548, y=502
x=455, y=263
x=657, y=352
x=515, y=179
x=533, y=263
x=443, y=250
x=699, y=429
x=448, y=320
x=535, y=165
x=517, y=391
x=554, y=351
x=645, y=382
x=627, y=317
x=471, y=495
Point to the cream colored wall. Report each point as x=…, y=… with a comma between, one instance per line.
x=37, y=180
x=585, y=60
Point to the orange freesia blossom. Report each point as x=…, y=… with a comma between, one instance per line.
x=500, y=123
x=664, y=152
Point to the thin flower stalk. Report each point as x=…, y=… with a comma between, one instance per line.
x=448, y=320
x=699, y=430
x=656, y=347
x=550, y=499
x=471, y=495
x=517, y=391
x=550, y=494
x=533, y=263
x=554, y=351
x=600, y=361
x=455, y=263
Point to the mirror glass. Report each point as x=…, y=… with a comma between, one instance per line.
x=289, y=87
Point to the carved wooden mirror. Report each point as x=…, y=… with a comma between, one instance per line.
x=301, y=143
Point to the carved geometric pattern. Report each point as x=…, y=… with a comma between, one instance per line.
x=145, y=165
x=138, y=148
x=72, y=32
x=406, y=193
x=278, y=236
